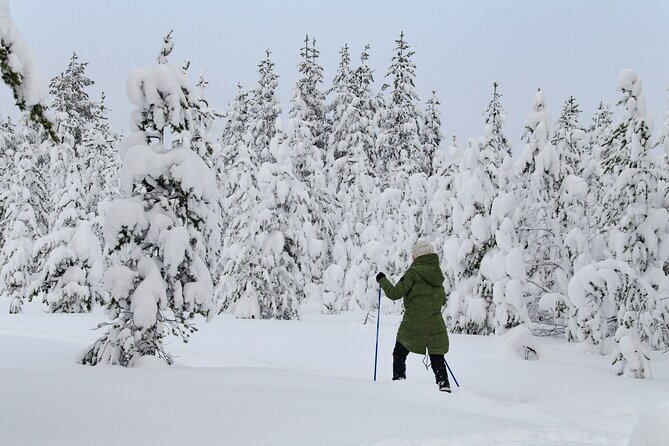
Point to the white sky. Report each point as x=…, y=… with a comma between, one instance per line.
x=567, y=47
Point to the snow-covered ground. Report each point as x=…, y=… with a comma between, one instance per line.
x=244, y=382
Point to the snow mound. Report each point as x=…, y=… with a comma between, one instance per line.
x=517, y=343
x=652, y=428
x=149, y=361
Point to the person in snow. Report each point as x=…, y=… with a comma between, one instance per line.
x=423, y=327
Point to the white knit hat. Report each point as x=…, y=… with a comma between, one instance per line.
x=423, y=246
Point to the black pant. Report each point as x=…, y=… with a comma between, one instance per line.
x=400, y=354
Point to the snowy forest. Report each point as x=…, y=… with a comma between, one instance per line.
x=566, y=232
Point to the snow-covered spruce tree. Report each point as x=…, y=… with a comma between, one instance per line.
x=401, y=164
x=592, y=301
x=200, y=139
x=642, y=322
x=367, y=106
x=398, y=143
x=61, y=158
x=351, y=137
x=236, y=128
x=9, y=142
x=435, y=185
x=597, y=145
x=19, y=72
x=73, y=109
x=68, y=258
x=495, y=151
x=342, y=118
x=25, y=137
x=41, y=185
x=251, y=128
x=204, y=117
x=20, y=229
x=634, y=208
x=243, y=277
x=99, y=163
x=539, y=173
x=314, y=245
x=430, y=134
x=487, y=264
x=569, y=137
x=495, y=118
x=343, y=90
x=274, y=287
x=470, y=307
x=509, y=286
x=600, y=132
x=441, y=190
x=157, y=235
x=510, y=282
x=74, y=113
x=265, y=110
x=314, y=99
x=572, y=202
x=581, y=202
x=633, y=215
x=352, y=140
x=611, y=289
x=236, y=132
x=240, y=261
x=490, y=277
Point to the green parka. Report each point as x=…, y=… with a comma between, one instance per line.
x=423, y=292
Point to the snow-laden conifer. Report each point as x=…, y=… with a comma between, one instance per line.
x=441, y=189
x=488, y=264
x=236, y=128
x=351, y=143
x=311, y=77
x=274, y=286
x=68, y=257
x=158, y=234
x=343, y=88
x=367, y=106
x=72, y=108
x=398, y=142
x=538, y=178
x=20, y=229
x=243, y=280
x=431, y=135
x=265, y=109
x=569, y=137
x=301, y=143
x=204, y=117
x=626, y=287
x=10, y=142
x=99, y=163
x=610, y=289
x=634, y=209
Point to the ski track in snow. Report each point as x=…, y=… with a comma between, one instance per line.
x=315, y=371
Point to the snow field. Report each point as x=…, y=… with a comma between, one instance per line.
x=258, y=382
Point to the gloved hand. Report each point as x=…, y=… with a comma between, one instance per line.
x=379, y=276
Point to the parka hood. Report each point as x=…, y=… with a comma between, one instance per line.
x=427, y=266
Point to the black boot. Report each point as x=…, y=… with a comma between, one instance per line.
x=440, y=372
x=400, y=354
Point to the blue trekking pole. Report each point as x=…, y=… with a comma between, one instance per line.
x=449, y=369
x=376, y=350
